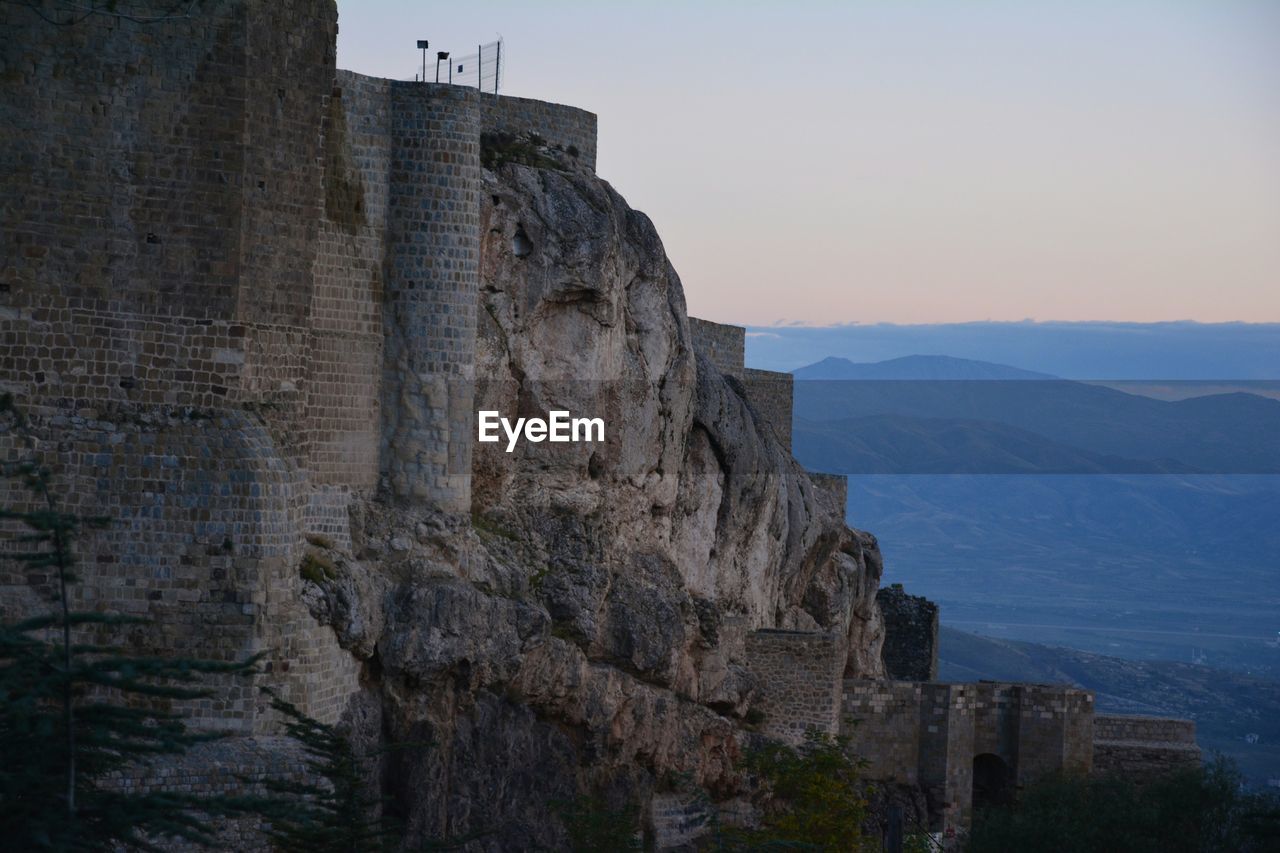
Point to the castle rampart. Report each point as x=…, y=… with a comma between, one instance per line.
x=721, y=344
x=1144, y=748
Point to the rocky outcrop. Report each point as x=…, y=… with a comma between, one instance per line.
x=586, y=632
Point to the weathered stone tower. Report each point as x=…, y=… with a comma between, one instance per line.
x=432, y=280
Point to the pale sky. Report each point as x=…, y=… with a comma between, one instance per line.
x=913, y=162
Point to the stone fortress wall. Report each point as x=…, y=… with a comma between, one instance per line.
x=802, y=671
x=1143, y=747
x=769, y=392
x=239, y=292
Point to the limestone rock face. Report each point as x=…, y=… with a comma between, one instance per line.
x=588, y=630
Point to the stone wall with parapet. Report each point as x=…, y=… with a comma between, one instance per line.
x=1143, y=748
x=570, y=128
x=883, y=719
x=721, y=344
x=1055, y=731
x=771, y=393
x=835, y=486
x=797, y=674
x=910, y=650
x=928, y=735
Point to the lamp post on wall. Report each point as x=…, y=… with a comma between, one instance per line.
x=441, y=56
x=422, y=46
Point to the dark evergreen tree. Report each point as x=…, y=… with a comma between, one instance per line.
x=339, y=814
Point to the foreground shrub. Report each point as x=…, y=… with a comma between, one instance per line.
x=1205, y=810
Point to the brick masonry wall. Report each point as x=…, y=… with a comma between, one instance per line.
x=928, y=734
x=344, y=413
x=1144, y=748
x=1055, y=731
x=836, y=486
x=1155, y=729
x=721, y=344
x=161, y=204
x=996, y=707
x=910, y=649
x=431, y=289
x=798, y=681
x=569, y=127
x=882, y=719
x=222, y=766
x=121, y=208
x=771, y=393
x=203, y=540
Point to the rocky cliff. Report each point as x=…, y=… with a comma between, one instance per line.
x=252, y=304
x=586, y=632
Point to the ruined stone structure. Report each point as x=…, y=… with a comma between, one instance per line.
x=910, y=648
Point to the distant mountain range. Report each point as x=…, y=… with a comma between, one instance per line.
x=1226, y=706
x=897, y=444
x=914, y=367
x=926, y=414
x=1085, y=351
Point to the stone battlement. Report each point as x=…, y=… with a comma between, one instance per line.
x=1144, y=748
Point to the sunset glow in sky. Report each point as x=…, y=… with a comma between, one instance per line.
x=913, y=162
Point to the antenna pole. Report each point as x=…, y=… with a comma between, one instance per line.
x=497, y=68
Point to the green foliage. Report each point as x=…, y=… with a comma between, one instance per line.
x=76, y=708
x=339, y=815
x=816, y=799
x=319, y=540
x=317, y=568
x=593, y=827
x=1204, y=810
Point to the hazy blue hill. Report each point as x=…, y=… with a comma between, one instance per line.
x=1149, y=567
x=1226, y=433
x=1098, y=350
x=914, y=367
x=1225, y=705
x=898, y=444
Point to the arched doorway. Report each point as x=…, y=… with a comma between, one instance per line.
x=992, y=781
